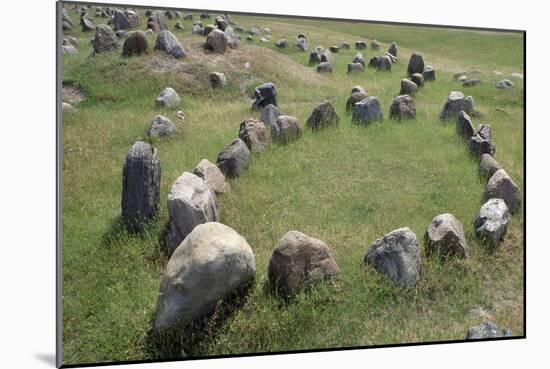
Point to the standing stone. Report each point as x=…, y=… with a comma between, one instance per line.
x=282, y=43
x=403, y=107
x=269, y=115
x=158, y=18
x=120, y=20
x=161, y=127
x=135, y=44
x=213, y=176
x=464, y=125
x=481, y=142
x=358, y=58
x=501, y=186
x=217, y=41
x=212, y=264
x=302, y=44
x=234, y=158
x=179, y=26
x=492, y=221
x=373, y=62
x=254, y=134
x=355, y=68
x=360, y=45
x=358, y=89
x=197, y=29
x=367, y=111
x=265, y=94
x=324, y=67
x=445, y=238
x=323, y=115
x=87, y=24
x=488, y=166
x=140, y=186
x=355, y=98
x=298, y=262
x=285, y=129
x=418, y=79
x=221, y=23
x=468, y=105
x=104, y=40
x=168, y=98
x=217, y=80
x=396, y=255
x=190, y=203
x=429, y=74
x=166, y=41
x=320, y=55
x=384, y=64
x=416, y=64
x=453, y=105
x=408, y=87
x=69, y=49
x=393, y=49
x=487, y=330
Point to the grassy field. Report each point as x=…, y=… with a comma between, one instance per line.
x=347, y=185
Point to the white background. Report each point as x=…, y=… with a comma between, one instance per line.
x=27, y=182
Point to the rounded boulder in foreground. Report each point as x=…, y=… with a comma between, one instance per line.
x=213, y=263
x=299, y=261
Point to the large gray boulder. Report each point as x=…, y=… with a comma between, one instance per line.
x=487, y=330
x=354, y=98
x=105, y=39
x=217, y=41
x=488, y=166
x=396, y=255
x=269, y=115
x=190, y=203
x=320, y=55
x=501, y=186
x=323, y=115
x=87, y=24
x=464, y=125
x=492, y=221
x=234, y=158
x=482, y=142
x=213, y=176
x=168, y=98
x=212, y=264
x=408, y=87
x=140, y=186
x=298, y=262
x=402, y=107
x=254, y=134
x=445, y=238
x=285, y=129
x=161, y=127
x=158, y=18
x=166, y=41
x=416, y=64
x=367, y=111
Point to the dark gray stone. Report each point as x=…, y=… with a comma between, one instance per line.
x=396, y=255
x=166, y=41
x=345, y=45
x=161, y=127
x=429, y=74
x=302, y=44
x=481, y=142
x=221, y=23
x=367, y=111
x=354, y=98
x=501, y=186
x=464, y=125
x=355, y=68
x=358, y=58
x=360, y=45
x=418, y=79
x=324, y=67
x=393, y=49
x=384, y=64
x=254, y=134
x=217, y=80
x=504, y=84
x=334, y=49
x=217, y=41
x=373, y=62
x=120, y=20
x=269, y=115
x=282, y=43
x=234, y=158
x=416, y=64
x=265, y=94
x=454, y=104
x=87, y=24
x=488, y=166
x=135, y=44
x=408, y=87
x=323, y=115
x=140, y=186
x=403, y=107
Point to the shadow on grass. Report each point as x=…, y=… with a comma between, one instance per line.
x=191, y=339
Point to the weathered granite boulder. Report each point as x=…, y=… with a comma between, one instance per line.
x=445, y=238
x=234, y=158
x=354, y=98
x=285, y=129
x=360, y=45
x=403, y=107
x=217, y=41
x=393, y=49
x=140, y=186
x=269, y=115
x=487, y=330
x=168, y=98
x=104, y=40
x=166, y=41
x=384, y=64
x=161, y=127
x=408, y=87
x=302, y=44
x=355, y=68
x=454, y=104
x=324, y=67
x=501, y=186
x=298, y=262
x=418, y=79
x=359, y=58
x=213, y=176
x=254, y=134
x=429, y=73
x=492, y=221
x=396, y=255
x=217, y=80
x=212, y=264
x=190, y=203
x=323, y=115
x=367, y=111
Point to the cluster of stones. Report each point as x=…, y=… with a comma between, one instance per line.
x=471, y=81
x=209, y=261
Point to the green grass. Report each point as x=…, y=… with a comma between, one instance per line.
x=347, y=185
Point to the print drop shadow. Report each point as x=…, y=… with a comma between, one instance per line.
x=188, y=340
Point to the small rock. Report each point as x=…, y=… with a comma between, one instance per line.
x=168, y=98
x=299, y=261
x=161, y=127
x=282, y=43
x=345, y=45
x=334, y=49
x=254, y=134
x=367, y=111
x=217, y=80
x=67, y=108
x=403, y=107
x=516, y=75
x=285, y=129
x=487, y=330
x=69, y=49
x=445, y=238
x=396, y=255
x=302, y=44
x=360, y=45
x=429, y=74
x=234, y=158
x=179, y=26
x=492, y=221
x=213, y=176
x=373, y=62
x=408, y=87
x=501, y=186
x=375, y=45
x=323, y=115
x=504, y=84
x=87, y=25
x=358, y=89
x=221, y=23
